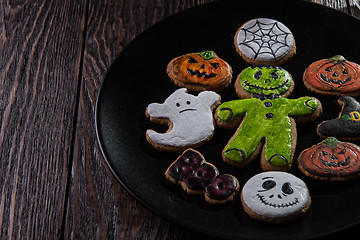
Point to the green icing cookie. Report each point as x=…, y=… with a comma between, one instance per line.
x=264, y=79
x=266, y=120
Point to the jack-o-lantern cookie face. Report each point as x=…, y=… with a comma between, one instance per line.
x=275, y=197
x=200, y=71
x=331, y=160
x=263, y=79
x=335, y=76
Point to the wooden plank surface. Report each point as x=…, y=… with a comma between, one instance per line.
x=54, y=182
x=38, y=88
x=98, y=205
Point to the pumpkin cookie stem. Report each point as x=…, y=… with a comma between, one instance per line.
x=331, y=141
x=338, y=58
x=207, y=55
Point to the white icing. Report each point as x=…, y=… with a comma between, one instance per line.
x=274, y=202
x=264, y=39
x=191, y=118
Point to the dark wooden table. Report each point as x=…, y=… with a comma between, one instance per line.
x=54, y=182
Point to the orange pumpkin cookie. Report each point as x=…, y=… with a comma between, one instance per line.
x=331, y=160
x=335, y=76
x=200, y=71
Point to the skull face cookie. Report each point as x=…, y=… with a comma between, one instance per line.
x=275, y=197
x=189, y=117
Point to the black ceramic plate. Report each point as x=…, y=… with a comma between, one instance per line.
x=138, y=77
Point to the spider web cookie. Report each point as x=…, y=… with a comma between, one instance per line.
x=264, y=41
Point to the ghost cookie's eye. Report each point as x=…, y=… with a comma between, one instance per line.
x=178, y=104
x=188, y=102
x=286, y=188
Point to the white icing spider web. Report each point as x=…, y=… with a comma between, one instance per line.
x=266, y=39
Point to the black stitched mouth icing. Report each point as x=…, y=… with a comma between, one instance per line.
x=338, y=164
x=283, y=205
x=326, y=79
x=199, y=74
x=265, y=88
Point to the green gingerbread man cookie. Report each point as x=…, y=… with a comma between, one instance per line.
x=266, y=121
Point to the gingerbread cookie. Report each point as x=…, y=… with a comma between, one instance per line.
x=263, y=79
x=335, y=76
x=347, y=125
x=275, y=197
x=200, y=71
x=196, y=176
x=264, y=41
x=331, y=160
x=189, y=117
x=267, y=126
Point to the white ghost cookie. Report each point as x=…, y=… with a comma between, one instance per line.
x=275, y=197
x=189, y=117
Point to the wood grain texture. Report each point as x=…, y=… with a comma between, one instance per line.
x=340, y=5
x=54, y=182
x=38, y=89
x=354, y=8
x=98, y=206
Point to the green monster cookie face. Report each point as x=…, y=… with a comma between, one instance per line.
x=265, y=79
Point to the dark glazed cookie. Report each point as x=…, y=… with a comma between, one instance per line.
x=347, y=125
x=196, y=176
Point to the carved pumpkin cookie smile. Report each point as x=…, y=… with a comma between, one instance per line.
x=200, y=71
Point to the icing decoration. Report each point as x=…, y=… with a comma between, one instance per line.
x=347, y=125
x=275, y=194
x=334, y=76
x=186, y=164
x=264, y=39
x=205, y=69
x=196, y=176
x=264, y=79
x=222, y=187
x=331, y=159
x=201, y=177
x=264, y=121
x=191, y=119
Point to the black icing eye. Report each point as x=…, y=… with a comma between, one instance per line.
x=178, y=104
x=188, y=102
x=268, y=184
x=345, y=71
x=274, y=75
x=342, y=151
x=215, y=65
x=257, y=75
x=286, y=188
x=328, y=69
x=192, y=60
x=325, y=153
